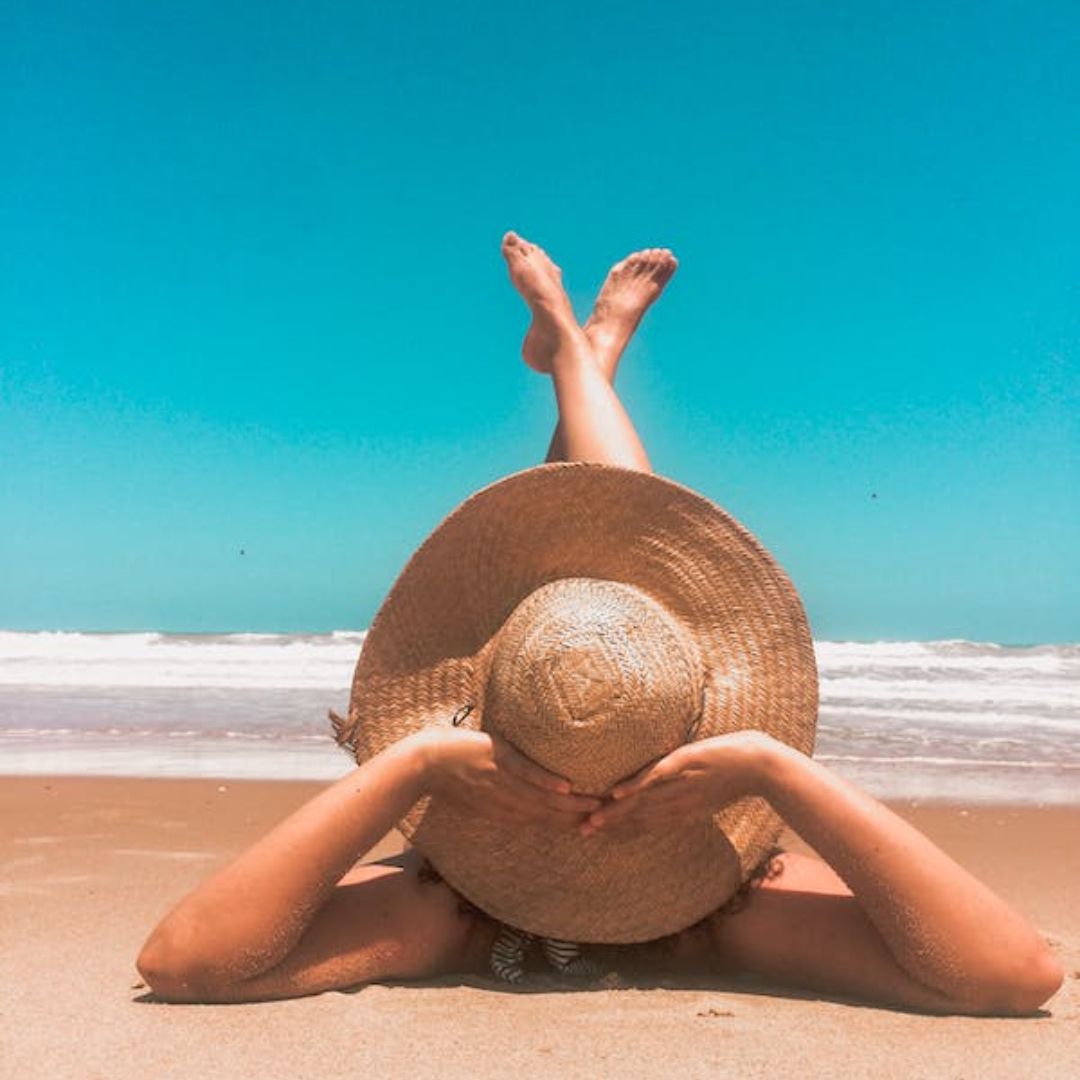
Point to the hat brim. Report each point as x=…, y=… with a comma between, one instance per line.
x=425, y=655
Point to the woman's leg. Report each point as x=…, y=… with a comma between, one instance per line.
x=630, y=288
x=593, y=425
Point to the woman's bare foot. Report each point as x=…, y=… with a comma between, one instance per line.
x=631, y=286
x=539, y=281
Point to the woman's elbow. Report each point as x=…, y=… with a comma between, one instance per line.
x=1042, y=981
x=171, y=968
x=1024, y=991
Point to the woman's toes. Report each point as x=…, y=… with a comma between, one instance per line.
x=512, y=243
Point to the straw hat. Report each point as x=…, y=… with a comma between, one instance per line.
x=596, y=618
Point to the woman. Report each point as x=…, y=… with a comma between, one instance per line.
x=886, y=917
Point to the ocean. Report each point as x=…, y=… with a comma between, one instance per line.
x=923, y=720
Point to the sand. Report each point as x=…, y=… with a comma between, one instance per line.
x=89, y=864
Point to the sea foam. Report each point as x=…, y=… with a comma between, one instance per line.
x=933, y=718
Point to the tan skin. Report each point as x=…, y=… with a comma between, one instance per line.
x=886, y=918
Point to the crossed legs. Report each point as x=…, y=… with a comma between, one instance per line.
x=582, y=361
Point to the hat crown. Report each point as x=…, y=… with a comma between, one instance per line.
x=593, y=679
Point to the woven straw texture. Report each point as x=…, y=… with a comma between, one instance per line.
x=597, y=618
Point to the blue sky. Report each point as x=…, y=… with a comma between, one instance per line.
x=251, y=296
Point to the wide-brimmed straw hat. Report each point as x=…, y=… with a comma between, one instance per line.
x=596, y=618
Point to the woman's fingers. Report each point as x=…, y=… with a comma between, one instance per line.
x=538, y=785
x=529, y=811
x=656, y=787
x=495, y=779
x=564, y=804
x=511, y=800
x=625, y=829
x=660, y=803
x=656, y=772
x=541, y=805
x=612, y=813
x=625, y=788
x=517, y=764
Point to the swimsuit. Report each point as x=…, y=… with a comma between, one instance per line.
x=515, y=952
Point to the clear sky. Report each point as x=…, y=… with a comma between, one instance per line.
x=251, y=296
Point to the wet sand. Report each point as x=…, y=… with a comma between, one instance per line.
x=89, y=864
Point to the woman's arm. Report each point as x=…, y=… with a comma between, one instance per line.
x=943, y=927
x=249, y=917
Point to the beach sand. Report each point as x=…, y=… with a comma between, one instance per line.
x=89, y=865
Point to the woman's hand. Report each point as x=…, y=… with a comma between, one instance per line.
x=488, y=776
x=693, y=781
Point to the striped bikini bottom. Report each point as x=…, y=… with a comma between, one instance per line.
x=515, y=953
